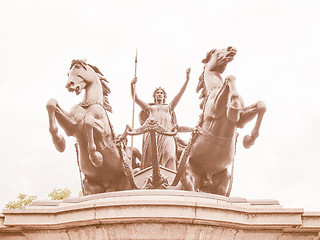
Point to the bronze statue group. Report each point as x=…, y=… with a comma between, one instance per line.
x=201, y=164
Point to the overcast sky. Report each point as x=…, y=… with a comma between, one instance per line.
x=277, y=62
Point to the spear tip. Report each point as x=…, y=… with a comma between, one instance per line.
x=136, y=59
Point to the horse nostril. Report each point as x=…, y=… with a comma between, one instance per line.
x=69, y=84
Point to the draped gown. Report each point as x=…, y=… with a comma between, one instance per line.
x=166, y=145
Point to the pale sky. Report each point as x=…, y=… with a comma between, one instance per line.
x=277, y=62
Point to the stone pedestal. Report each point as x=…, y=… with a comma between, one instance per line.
x=159, y=214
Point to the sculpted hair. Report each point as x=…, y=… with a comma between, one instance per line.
x=208, y=56
x=79, y=63
x=201, y=85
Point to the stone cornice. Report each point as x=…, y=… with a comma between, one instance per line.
x=160, y=206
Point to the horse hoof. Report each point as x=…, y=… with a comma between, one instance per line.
x=233, y=114
x=247, y=141
x=97, y=159
x=60, y=143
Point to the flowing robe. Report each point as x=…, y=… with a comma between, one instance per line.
x=166, y=145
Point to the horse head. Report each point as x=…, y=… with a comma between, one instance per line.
x=210, y=79
x=218, y=59
x=79, y=75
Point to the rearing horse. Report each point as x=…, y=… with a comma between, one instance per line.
x=101, y=160
x=212, y=146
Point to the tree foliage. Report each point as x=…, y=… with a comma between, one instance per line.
x=23, y=201
x=80, y=194
x=60, y=194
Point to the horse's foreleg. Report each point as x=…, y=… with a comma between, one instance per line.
x=57, y=139
x=65, y=120
x=235, y=104
x=246, y=116
x=217, y=101
x=94, y=156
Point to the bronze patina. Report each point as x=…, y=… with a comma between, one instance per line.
x=211, y=150
x=101, y=159
x=165, y=115
x=107, y=162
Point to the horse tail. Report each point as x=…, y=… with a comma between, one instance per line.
x=183, y=159
x=202, y=86
x=182, y=165
x=231, y=180
x=76, y=145
x=232, y=169
x=127, y=167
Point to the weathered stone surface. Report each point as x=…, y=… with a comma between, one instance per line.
x=49, y=203
x=156, y=214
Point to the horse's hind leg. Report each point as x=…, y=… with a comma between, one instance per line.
x=218, y=183
x=248, y=113
x=94, y=156
x=90, y=187
x=57, y=139
x=190, y=180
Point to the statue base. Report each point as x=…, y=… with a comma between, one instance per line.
x=159, y=214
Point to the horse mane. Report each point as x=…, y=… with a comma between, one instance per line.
x=201, y=84
x=105, y=88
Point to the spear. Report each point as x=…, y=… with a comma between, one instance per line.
x=134, y=100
